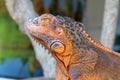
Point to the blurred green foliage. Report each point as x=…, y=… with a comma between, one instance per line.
x=13, y=43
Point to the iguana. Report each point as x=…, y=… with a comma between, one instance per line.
x=78, y=56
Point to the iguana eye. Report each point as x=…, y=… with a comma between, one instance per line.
x=57, y=47
x=59, y=30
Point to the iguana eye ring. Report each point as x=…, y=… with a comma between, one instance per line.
x=58, y=47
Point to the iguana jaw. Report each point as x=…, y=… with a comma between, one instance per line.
x=42, y=39
x=54, y=45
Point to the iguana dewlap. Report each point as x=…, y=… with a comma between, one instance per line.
x=78, y=55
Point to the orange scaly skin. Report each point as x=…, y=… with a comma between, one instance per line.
x=78, y=55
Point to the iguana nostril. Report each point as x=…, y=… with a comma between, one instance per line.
x=58, y=47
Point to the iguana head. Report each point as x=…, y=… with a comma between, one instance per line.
x=55, y=33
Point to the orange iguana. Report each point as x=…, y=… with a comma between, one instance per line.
x=78, y=55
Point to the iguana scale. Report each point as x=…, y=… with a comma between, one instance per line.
x=78, y=55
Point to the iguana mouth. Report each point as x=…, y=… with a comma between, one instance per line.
x=36, y=37
x=39, y=41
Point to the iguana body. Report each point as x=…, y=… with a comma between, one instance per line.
x=78, y=55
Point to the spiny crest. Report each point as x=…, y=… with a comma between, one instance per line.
x=60, y=19
x=96, y=43
x=69, y=22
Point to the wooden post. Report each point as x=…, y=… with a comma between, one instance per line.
x=109, y=22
